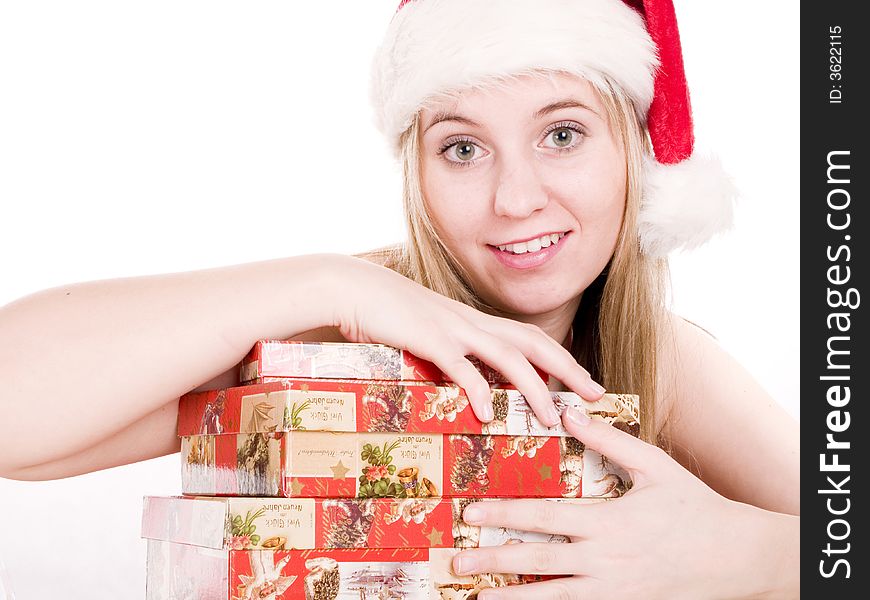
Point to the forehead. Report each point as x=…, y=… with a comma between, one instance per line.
x=525, y=93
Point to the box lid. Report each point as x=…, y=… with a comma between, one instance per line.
x=344, y=360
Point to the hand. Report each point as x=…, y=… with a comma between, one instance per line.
x=380, y=305
x=670, y=537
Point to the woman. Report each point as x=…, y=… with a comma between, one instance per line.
x=547, y=148
x=519, y=128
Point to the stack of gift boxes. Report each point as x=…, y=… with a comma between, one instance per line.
x=342, y=470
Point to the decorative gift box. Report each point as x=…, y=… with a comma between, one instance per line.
x=317, y=464
x=334, y=360
x=181, y=571
x=269, y=440
x=307, y=523
x=378, y=406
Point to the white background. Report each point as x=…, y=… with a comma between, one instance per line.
x=150, y=137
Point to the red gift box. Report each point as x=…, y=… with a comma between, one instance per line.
x=184, y=571
x=319, y=464
x=308, y=523
x=375, y=406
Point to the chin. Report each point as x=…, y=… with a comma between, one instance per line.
x=531, y=302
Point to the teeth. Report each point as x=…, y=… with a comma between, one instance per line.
x=533, y=245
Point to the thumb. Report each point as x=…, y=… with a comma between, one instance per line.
x=629, y=452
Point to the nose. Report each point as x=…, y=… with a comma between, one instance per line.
x=520, y=191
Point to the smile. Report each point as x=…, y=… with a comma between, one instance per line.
x=545, y=241
x=531, y=253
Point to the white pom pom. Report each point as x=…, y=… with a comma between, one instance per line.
x=684, y=204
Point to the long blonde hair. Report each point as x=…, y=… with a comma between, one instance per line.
x=620, y=319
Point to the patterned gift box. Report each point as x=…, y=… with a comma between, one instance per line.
x=317, y=464
x=308, y=523
x=181, y=571
x=335, y=360
x=380, y=406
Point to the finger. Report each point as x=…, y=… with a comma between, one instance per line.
x=525, y=558
x=551, y=357
x=562, y=588
x=577, y=518
x=636, y=456
x=444, y=352
x=464, y=374
x=511, y=363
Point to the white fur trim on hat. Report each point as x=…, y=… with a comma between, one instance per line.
x=436, y=46
x=684, y=204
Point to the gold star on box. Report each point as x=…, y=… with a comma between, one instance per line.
x=546, y=472
x=296, y=487
x=339, y=471
x=435, y=538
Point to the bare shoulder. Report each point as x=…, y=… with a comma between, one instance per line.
x=692, y=365
x=680, y=343
x=697, y=364
x=671, y=341
x=723, y=424
x=384, y=256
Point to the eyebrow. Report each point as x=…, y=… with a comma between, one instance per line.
x=552, y=107
x=560, y=104
x=446, y=116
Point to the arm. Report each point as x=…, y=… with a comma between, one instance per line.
x=149, y=437
x=101, y=364
x=93, y=360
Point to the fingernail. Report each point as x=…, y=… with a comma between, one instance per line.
x=486, y=412
x=577, y=417
x=553, y=416
x=473, y=515
x=596, y=387
x=463, y=564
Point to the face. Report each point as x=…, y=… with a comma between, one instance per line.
x=518, y=167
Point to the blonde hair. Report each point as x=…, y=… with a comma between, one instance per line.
x=619, y=323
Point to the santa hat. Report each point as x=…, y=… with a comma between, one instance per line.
x=434, y=46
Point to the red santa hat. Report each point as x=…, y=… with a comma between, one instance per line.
x=435, y=46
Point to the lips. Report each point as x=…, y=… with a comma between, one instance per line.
x=529, y=259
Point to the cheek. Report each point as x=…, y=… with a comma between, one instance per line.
x=611, y=193
x=456, y=207
x=596, y=193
